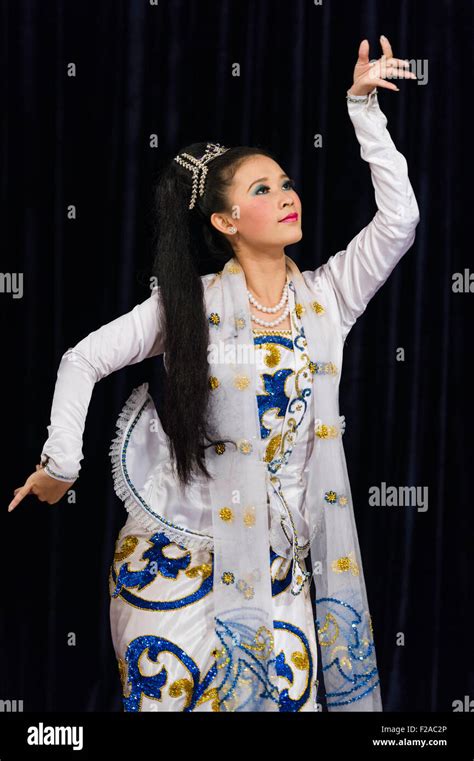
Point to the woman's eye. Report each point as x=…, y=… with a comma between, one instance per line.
x=290, y=183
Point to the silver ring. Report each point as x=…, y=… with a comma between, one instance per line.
x=373, y=60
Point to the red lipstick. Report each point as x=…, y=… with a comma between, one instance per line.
x=293, y=217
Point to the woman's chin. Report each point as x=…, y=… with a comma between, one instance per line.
x=292, y=236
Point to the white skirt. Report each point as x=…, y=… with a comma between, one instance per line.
x=161, y=618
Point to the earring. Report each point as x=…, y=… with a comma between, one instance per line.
x=232, y=230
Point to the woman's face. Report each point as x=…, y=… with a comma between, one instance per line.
x=261, y=195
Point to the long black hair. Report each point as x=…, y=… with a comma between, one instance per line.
x=187, y=246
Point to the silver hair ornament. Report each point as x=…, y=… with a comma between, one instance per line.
x=199, y=167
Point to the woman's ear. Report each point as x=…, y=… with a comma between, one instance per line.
x=220, y=222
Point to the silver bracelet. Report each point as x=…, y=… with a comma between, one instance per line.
x=361, y=98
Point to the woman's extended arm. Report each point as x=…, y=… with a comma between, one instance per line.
x=356, y=273
x=126, y=340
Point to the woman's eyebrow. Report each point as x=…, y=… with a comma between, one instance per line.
x=262, y=179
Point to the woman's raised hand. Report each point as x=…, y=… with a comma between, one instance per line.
x=46, y=488
x=369, y=75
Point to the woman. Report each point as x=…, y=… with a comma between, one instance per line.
x=240, y=495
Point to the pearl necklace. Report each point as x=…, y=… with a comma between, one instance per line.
x=272, y=310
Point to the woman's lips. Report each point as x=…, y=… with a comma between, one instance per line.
x=290, y=218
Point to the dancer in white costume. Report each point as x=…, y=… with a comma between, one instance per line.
x=210, y=581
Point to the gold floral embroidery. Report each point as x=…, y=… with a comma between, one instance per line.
x=331, y=497
x=246, y=589
x=204, y=570
x=241, y=382
x=318, y=308
x=213, y=382
x=346, y=563
x=326, y=431
x=300, y=660
x=244, y=446
x=214, y=318
x=249, y=516
x=126, y=548
x=226, y=514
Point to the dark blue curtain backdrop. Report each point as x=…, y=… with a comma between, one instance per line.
x=165, y=69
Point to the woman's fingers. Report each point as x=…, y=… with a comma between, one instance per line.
x=363, y=55
x=20, y=494
x=405, y=74
x=392, y=73
x=397, y=62
x=384, y=64
x=384, y=83
x=380, y=74
x=379, y=82
x=386, y=47
x=390, y=62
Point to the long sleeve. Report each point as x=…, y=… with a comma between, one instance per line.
x=126, y=340
x=356, y=273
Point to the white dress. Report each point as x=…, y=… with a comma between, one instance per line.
x=161, y=609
